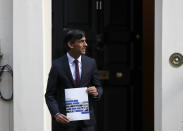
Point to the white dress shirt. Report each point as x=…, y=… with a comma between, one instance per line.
x=72, y=65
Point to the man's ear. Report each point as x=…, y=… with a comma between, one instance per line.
x=70, y=45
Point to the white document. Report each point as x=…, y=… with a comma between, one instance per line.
x=77, y=106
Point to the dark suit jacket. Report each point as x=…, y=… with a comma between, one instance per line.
x=60, y=78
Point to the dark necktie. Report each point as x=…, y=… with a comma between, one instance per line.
x=77, y=73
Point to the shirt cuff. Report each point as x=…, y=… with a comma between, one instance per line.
x=56, y=114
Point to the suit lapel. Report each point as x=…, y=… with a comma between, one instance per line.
x=68, y=71
x=84, y=67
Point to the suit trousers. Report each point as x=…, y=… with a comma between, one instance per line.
x=90, y=128
x=77, y=127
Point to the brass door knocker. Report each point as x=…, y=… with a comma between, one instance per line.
x=176, y=59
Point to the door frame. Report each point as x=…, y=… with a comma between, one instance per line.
x=148, y=65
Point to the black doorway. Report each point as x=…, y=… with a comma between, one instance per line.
x=114, y=36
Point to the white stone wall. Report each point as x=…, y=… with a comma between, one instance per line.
x=168, y=80
x=158, y=67
x=6, y=47
x=31, y=61
x=25, y=41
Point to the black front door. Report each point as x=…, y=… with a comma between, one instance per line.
x=113, y=30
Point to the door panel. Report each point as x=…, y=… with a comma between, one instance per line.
x=114, y=7
x=116, y=109
x=80, y=14
x=75, y=15
x=118, y=39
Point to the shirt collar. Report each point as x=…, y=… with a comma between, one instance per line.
x=71, y=59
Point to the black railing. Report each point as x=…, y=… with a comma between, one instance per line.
x=6, y=69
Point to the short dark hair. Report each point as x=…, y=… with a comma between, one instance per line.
x=72, y=35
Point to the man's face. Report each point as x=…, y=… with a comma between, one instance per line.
x=79, y=46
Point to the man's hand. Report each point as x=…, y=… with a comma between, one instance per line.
x=62, y=118
x=92, y=90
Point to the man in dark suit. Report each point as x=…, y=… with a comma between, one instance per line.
x=71, y=71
